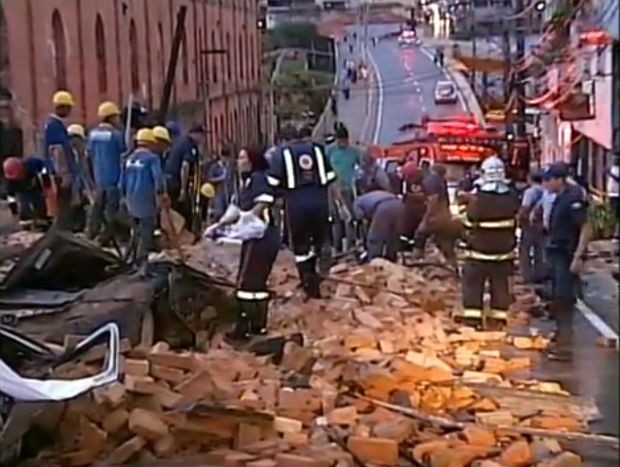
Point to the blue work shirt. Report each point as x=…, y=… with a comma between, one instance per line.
x=56, y=135
x=343, y=160
x=568, y=215
x=531, y=198
x=106, y=146
x=365, y=206
x=184, y=150
x=141, y=182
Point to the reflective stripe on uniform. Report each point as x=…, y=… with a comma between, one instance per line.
x=273, y=181
x=264, y=198
x=469, y=313
x=505, y=224
x=324, y=176
x=497, y=314
x=470, y=254
x=289, y=168
x=302, y=258
x=245, y=295
x=11, y=199
x=405, y=239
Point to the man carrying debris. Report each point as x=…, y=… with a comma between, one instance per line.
x=256, y=197
x=568, y=235
x=106, y=146
x=491, y=220
x=142, y=186
x=303, y=172
x=24, y=184
x=61, y=162
x=383, y=210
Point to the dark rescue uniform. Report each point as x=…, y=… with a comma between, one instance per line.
x=257, y=256
x=491, y=222
x=302, y=172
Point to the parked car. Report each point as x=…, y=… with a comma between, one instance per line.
x=445, y=93
x=408, y=38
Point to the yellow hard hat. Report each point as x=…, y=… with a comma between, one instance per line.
x=63, y=98
x=207, y=190
x=162, y=133
x=76, y=130
x=108, y=109
x=145, y=135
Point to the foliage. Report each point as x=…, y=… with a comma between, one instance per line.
x=292, y=36
x=302, y=90
x=602, y=221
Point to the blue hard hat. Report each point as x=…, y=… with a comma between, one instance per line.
x=173, y=128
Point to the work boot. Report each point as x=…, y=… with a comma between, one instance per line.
x=561, y=346
x=259, y=317
x=241, y=330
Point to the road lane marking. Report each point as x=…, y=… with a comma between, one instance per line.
x=448, y=77
x=379, y=83
x=597, y=322
x=370, y=96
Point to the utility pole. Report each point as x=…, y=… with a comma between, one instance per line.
x=473, y=30
x=520, y=85
x=615, y=86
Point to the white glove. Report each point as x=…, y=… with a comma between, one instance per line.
x=231, y=215
x=210, y=230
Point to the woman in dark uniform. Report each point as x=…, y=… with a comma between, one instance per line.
x=257, y=255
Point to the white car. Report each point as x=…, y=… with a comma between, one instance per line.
x=445, y=93
x=408, y=38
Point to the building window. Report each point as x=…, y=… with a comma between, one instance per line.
x=184, y=58
x=102, y=61
x=60, y=50
x=133, y=51
x=240, y=56
x=213, y=60
x=229, y=57
x=223, y=130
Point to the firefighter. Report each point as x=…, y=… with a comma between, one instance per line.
x=142, y=187
x=61, y=162
x=384, y=211
x=25, y=180
x=304, y=174
x=257, y=255
x=491, y=221
x=106, y=147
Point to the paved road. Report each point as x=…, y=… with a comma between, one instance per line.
x=404, y=92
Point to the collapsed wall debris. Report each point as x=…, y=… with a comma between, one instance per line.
x=381, y=377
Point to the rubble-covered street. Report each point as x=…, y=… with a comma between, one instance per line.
x=376, y=375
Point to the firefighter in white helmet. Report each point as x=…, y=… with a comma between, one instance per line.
x=490, y=218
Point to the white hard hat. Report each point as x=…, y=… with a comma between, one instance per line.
x=493, y=169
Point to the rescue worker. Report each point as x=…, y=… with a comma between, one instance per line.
x=437, y=207
x=414, y=204
x=106, y=147
x=384, y=211
x=77, y=138
x=568, y=236
x=181, y=170
x=142, y=187
x=257, y=255
x=163, y=142
x=25, y=180
x=491, y=220
x=174, y=130
x=61, y=162
x=370, y=176
x=303, y=173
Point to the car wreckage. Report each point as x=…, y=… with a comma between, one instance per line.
x=63, y=288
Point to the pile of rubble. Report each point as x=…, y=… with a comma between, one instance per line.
x=384, y=378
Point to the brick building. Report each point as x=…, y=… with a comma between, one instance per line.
x=116, y=48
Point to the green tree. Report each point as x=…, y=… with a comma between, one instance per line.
x=292, y=35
